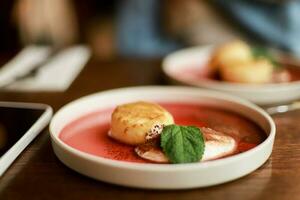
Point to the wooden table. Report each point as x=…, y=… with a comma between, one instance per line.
x=38, y=174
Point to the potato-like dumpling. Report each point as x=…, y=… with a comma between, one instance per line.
x=131, y=122
x=230, y=54
x=257, y=71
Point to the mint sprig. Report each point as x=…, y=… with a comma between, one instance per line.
x=182, y=144
x=261, y=52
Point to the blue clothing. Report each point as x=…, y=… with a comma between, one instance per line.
x=139, y=31
x=275, y=23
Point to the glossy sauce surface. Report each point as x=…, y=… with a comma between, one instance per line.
x=89, y=133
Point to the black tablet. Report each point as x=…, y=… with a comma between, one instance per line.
x=20, y=123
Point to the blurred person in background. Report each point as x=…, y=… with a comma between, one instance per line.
x=46, y=22
x=269, y=22
x=37, y=22
x=153, y=28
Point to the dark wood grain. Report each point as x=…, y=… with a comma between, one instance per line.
x=38, y=174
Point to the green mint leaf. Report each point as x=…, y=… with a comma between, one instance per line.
x=261, y=52
x=182, y=144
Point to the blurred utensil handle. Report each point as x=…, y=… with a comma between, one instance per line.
x=283, y=108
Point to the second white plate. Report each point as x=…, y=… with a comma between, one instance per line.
x=196, y=59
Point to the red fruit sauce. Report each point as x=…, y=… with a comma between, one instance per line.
x=89, y=133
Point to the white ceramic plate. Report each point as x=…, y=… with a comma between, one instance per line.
x=161, y=176
x=195, y=59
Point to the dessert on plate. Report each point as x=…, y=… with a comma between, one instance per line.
x=164, y=132
x=151, y=129
x=241, y=63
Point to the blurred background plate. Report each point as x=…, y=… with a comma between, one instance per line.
x=189, y=66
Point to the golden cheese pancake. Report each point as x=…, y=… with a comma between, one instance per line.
x=235, y=63
x=258, y=71
x=231, y=54
x=130, y=123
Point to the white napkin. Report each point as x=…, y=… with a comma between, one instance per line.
x=24, y=62
x=57, y=74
